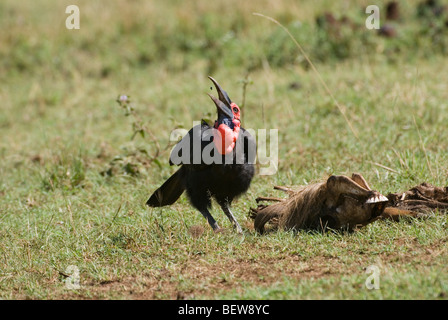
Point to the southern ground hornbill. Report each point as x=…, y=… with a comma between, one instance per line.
x=215, y=161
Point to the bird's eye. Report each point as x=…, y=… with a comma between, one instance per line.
x=235, y=109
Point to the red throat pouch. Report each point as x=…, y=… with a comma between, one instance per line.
x=225, y=138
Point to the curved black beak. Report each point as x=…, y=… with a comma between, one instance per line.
x=223, y=96
x=223, y=110
x=223, y=104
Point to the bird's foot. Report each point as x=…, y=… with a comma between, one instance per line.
x=238, y=228
x=216, y=228
x=219, y=230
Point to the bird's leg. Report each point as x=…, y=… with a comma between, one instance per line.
x=211, y=221
x=201, y=200
x=226, y=208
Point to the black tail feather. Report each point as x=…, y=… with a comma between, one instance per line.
x=169, y=192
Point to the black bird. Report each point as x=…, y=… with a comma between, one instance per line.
x=215, y=161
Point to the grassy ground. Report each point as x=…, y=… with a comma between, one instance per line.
x=73, y=182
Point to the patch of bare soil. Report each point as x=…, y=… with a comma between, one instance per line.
x=198, y=277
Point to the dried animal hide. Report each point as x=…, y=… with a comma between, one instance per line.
x=346, y=203
x=419, y=200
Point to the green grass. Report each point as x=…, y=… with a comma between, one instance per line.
x=73, y=182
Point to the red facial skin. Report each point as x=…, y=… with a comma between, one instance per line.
x=224, y=137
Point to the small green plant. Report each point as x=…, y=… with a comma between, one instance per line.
x=135, y=157
x=66, y=174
